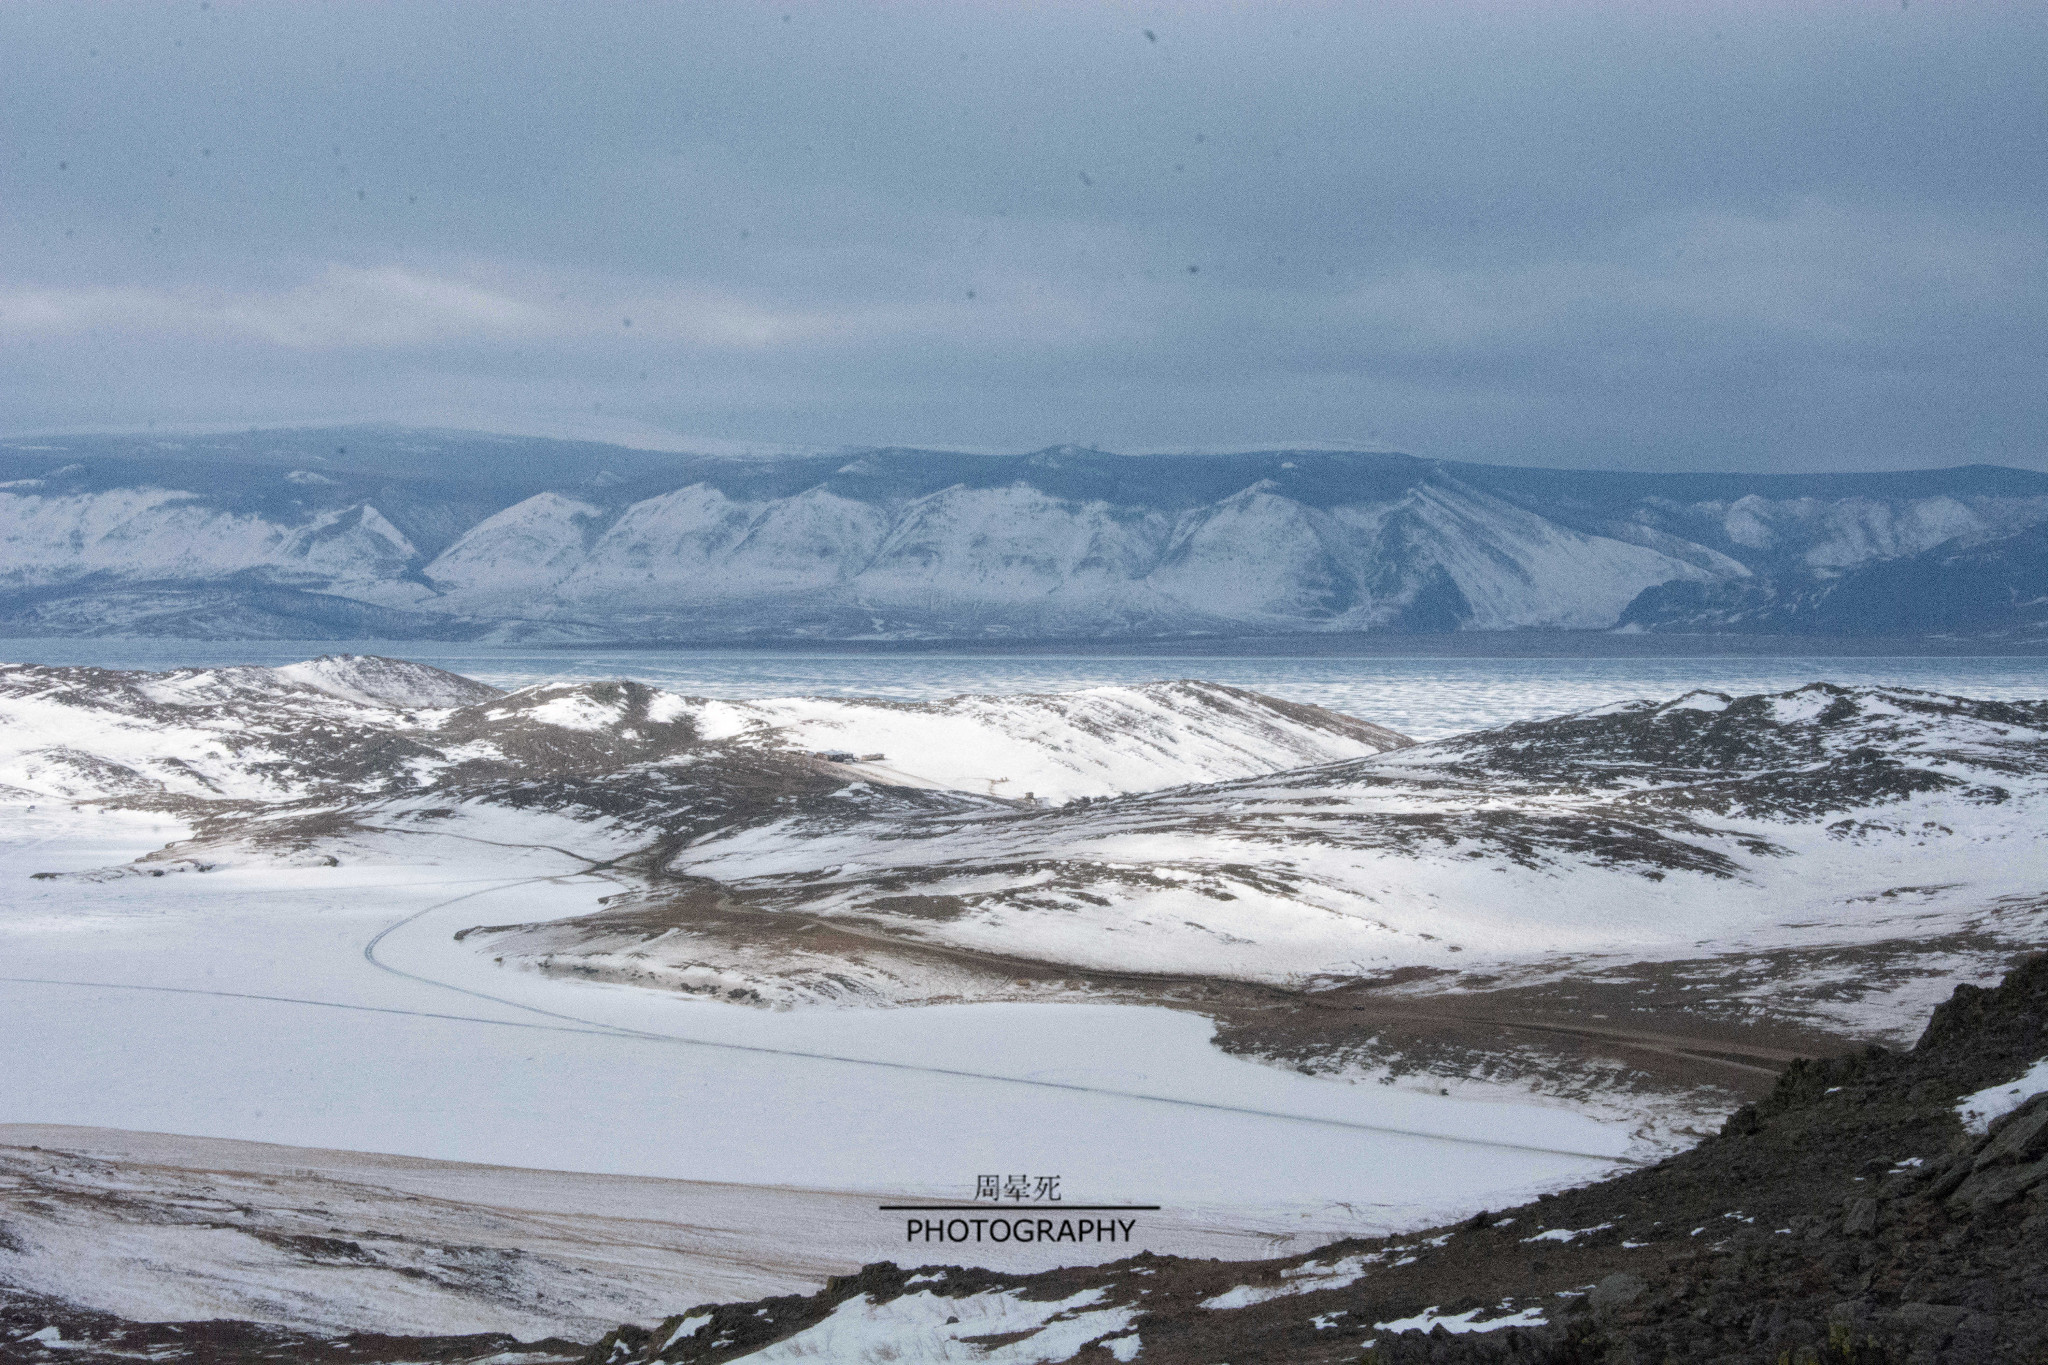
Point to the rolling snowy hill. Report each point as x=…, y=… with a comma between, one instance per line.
x=1804, y=829
x=203, y=742
x=1825, y=860
x=376, y=532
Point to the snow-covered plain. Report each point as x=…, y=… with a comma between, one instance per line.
x=240, y=1003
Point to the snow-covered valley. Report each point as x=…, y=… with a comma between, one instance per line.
x=240, y=1003
x=1153, y=934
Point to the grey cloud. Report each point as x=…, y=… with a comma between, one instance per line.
x=1721, y=236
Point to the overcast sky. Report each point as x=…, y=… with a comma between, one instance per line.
x=1700, y=235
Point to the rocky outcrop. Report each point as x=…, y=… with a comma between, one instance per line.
x=1941, y=1255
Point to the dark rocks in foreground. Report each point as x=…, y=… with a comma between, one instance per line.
x=35, y=1330
x=1846, y=1219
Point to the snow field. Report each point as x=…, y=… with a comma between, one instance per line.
x=238, y=1003
x=1093, y=742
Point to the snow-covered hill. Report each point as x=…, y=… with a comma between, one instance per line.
x=240, y=734
x=1102, y=741
x=1825, y=836
x=342, y=728
x=381, y=532
x=1812, y=821
x=1653, y=899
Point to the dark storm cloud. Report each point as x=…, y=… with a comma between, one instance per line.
x=1654, y=236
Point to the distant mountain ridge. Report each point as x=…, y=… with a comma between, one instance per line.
x=383, y=532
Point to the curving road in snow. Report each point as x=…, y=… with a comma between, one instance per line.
x=331, y=1007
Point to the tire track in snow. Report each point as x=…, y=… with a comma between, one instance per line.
x=587, y=1025
x=592, y=1028
x=599, y=1030
x=568, y=1023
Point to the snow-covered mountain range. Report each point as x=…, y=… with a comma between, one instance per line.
x=384, y=532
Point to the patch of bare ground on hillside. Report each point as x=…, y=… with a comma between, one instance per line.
x=1727, y=1023
x=1694, y=1037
